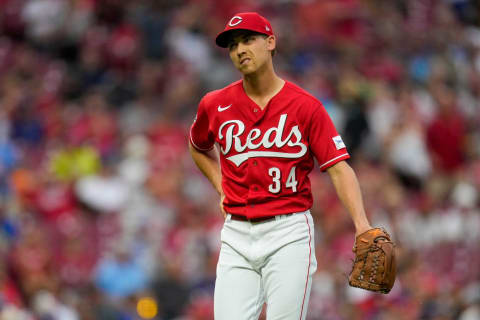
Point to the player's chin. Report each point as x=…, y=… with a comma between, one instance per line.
x=246, y=69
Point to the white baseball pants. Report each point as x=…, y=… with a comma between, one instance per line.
x=271, y=262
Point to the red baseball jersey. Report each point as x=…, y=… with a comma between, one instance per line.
x=266, y=155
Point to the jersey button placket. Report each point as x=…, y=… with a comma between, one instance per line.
x=254, y=164
x=257, y=114
x=251, y=163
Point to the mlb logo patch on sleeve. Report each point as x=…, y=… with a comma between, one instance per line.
x=338, y=142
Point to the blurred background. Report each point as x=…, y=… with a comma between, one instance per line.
x=103, y=214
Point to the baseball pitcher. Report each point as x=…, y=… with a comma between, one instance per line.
x=256, y=140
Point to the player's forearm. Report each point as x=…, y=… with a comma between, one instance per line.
x=209, y=165
x=348, y=190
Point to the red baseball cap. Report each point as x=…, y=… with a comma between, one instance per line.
x=244, y=21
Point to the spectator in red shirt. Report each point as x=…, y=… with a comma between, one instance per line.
x=446, y=133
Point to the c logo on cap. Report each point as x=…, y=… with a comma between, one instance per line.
x=235, y=20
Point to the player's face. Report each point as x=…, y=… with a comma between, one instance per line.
x=250, y=51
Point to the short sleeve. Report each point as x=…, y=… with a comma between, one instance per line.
x=201, y=137
x=325, y=142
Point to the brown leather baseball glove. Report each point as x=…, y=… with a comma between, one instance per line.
x=374, y=267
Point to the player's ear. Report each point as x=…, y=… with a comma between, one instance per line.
x=271, y=43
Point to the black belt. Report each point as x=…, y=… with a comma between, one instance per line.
x=258, y=219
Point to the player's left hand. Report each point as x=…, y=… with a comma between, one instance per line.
x=374, y=267
x=362, y=229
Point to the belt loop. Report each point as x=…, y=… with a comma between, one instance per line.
x=229, y=217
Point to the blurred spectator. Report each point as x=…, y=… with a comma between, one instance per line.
x=446, y=133
x=120, y=275
x=406, y=148
x=114, y=195
x=45, y=20
x=9, y=292
x=46, y=306
x=32, y=260
x=74, y=162
x=171, y=290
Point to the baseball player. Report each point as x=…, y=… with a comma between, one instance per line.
x=256, y=140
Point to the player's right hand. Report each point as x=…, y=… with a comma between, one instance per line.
x=222, y=197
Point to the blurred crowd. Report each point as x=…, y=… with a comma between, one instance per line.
x=101, y=205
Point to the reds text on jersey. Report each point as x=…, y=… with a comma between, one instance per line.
x=266, y=155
